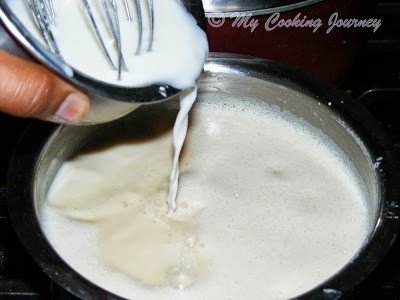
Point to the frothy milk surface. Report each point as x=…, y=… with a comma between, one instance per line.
x=267, y=209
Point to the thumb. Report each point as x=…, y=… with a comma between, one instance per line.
x=28, y=89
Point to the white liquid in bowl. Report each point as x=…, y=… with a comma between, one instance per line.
x=267, y=209
x=179, y=50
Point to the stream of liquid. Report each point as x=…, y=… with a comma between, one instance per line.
x=179, y=135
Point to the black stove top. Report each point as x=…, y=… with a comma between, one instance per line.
x=375, y=82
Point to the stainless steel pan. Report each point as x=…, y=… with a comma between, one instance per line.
x=44, y=148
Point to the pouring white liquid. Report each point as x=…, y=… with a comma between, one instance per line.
x=179, y=135
x=254, y=219
x=178, y=54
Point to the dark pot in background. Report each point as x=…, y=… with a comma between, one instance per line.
x=327, y=56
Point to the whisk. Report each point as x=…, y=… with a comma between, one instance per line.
x=44, y=15
x=108, y=101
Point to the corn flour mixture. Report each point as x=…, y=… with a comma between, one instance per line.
x=267, y=208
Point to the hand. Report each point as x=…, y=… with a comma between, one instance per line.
x=28, y=89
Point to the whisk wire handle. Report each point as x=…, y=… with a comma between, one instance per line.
x=117, y=38
x=128, y=11
x=140, y=25
x=113, y=24
x=41, y=13
x=97, y=32
x=151, y=37
x=44, y=16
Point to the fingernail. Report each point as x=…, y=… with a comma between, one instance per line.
x=73, y=110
